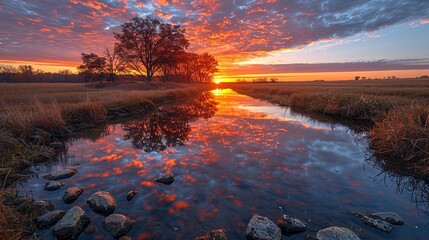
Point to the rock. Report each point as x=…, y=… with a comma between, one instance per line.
x=166, y=179
x=66, y=173
x=90, y=229
x=290, y=225
x=71, y=194
x=262, y=228
x=44, y=206
x=310, y=237
x=49, y=218
x=102, y=202
x=336, y=233
x=117, y=225
x=389, y=217
x=53, y=185
x=125, y=238
x=71, y=224
x=219, y=234
x=130, y=195
x=375, y=223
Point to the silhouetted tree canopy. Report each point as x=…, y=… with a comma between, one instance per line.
x=147, y=44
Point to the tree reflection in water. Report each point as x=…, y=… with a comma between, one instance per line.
x=169, y=126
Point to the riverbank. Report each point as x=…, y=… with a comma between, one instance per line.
x=397, y=110
x=33, y=117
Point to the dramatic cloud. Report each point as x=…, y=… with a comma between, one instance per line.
x=37, y=30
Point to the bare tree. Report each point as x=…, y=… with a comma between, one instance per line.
x=26, y=69
x=92, y=67
x=114, y=64
x=147, y=44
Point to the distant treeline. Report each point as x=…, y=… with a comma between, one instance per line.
x=27, y=74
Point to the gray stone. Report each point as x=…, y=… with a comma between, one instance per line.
x=71, y=194
x=130, y=195
x=336, y=233
x=117, y=225
x=125, y=238
x=102, y=202
x=166, y=179
x=71, y=224
x=262, y=228
x=53, y=185
x=218, y=234
x=44, y=205
x=375, y=223
x=290, y=225
x=66, y=173
x=49, y=218
x=90, y=229
x=390, y=217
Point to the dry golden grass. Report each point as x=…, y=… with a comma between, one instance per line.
x=404, y=135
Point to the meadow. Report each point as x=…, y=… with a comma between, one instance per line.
x=397, y=111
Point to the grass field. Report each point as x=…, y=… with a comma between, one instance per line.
x=398, y=111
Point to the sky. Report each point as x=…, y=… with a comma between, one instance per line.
x=288, y=40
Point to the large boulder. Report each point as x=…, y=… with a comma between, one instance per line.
x=390, y=217
x=117, y=225
x=65, y=173
x=290, y=225
x=49, y=218
x=336, y=233
x=71, y=194
x=262, y=228
x=375, y=223
x=166, y=179
x=71, y=224
x=218, y=234
x=53, y=185
x=102, y=202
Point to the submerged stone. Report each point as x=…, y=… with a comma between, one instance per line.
x=49, y=218
x=375, y=223
x=390, y=217
x=290, y=225
x=44, y=205
x=262, y=228
x=71, y=224
x=66, y=173
x=90, y=229
x=166, y=179
x=117, y=225
x=53, y=185
x=130, y=195
x=218, y=234
x=71, y=194
x=336, y=233
x=102, y=202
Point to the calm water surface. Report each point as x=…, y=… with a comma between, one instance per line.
x=232, y=156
